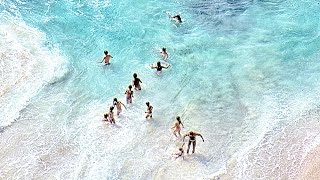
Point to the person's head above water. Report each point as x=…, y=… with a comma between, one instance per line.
x=111, y=108
x=178, y=119
x=106, y=52
x=115, y=100
x=178, y=18
x=147, y=103
x=158, y=63
x=130, y=87
x=135, y=75
x=164, y=49
x=191, y=133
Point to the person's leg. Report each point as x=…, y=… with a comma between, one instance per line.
x=174, y=133
x=179, y=132
x=194, y=146
x=189, y=143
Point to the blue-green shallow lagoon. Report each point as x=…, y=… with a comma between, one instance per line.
x=244, y=74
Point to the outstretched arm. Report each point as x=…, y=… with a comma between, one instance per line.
x=123, y=105
x=100, y=61
x=200, y=136
x=166, y=67
x=184, y=137
x=173, y=126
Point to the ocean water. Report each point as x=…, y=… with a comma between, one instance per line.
x=245, y=74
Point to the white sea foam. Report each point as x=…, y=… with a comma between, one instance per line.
x=26, y=65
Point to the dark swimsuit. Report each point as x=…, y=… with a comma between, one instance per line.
x=136, y=82
x=159, y=68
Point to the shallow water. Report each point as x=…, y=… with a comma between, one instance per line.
x=244, y=74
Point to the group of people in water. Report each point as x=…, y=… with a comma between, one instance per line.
x=136, y=84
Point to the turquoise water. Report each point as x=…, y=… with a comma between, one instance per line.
x=244, y=74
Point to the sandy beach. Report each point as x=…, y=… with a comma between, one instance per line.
x=310, y=169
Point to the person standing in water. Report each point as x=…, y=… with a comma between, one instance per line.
x=192, y=139
x=177, y=127
x=106, y=118
x=110, y=116
x=136, y=82
x=106, y=58
x=164, y=54
x=129, y=94
x=159, y=67
x=118, y=105
x=149, y=110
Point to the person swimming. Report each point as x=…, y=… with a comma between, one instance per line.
x=106, y=58
x=192, y=139
x=177, y=18
x=177, y=126
x=149, y=110
x=159, y=67
x=129, y=94
x=136, y=82
x=164, y=54
x=118, y=105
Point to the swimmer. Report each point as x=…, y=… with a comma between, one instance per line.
x=164, y=54
x=192, y=139
x=118, y=105
x=149, y=110
x=180, y=153
x=176, y=18
x=136, y=82
x=106, y=58
x=159, y=67
x=177, y=127
x=129, y=94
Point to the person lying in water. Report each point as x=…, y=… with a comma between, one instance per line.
x=106, y=58
x=192, y=139
x=159, y=67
